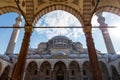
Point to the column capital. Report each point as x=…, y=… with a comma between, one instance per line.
x=87, y=28
x=28, y=29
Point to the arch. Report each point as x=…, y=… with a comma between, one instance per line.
x=62, y=61
x=31, y=71
x=115, y=75
x=74, y=71
x=104, y=70
x=8, y=9
x=60, y=71
x=32, y=61
x=45, y=70
x=75, y=64
x=44, y=61
x=5, y=74
x=47, y=9
x=108, y=8
x=87, y=72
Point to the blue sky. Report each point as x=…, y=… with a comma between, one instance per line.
x=60, y=18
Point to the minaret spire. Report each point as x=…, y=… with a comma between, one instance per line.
x=14, y=36
x=105, y=33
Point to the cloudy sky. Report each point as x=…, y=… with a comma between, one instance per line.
x=61, y=18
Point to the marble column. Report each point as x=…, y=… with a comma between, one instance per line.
x=52, y=74
x=14, y=36
x=67, y=71
x=105, y=33
x=24, y=74
x=81, y=72
x=92, y=53
x=20, y=65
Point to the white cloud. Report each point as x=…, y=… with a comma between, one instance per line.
x=94, y=21
x=118, y=52
x=59, y=18
x=114, y=21
x=62, y=18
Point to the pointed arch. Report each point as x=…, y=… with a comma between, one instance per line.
x=74, y=70
x=104, y=70
x=8, y=9
x=115, y=75
x=60, y=63
x=60, y=71
x=87, y=71
x=47, y=9
x=108, y=8
x=45, y=70
x=75, y=64
x=32, y=71
x=5, y=74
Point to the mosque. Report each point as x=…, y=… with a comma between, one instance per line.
x=60, y=58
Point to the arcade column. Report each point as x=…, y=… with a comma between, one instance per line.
x=20, y=65
x=92, y=53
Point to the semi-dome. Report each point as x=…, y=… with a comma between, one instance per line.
x=73, y=56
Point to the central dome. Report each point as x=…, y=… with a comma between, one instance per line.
x=60, y=42
x=60, y=37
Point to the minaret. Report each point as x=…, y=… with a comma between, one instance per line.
x=14, y=36
x=105, y=33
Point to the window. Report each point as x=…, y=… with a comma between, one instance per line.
x=35, y=72
x=73, y=73
x=84, y=72
x=47, y=72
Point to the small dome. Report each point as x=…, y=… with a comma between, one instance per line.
x=60, y=53
x=99, y=55
x=105, y=55
x=73, y=56
x=4, y=57
x=84, y=55
x=114, y=56
x=36, y=56
x=47, y=56
x=11, y=56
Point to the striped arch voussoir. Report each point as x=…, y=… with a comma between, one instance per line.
x=8, y=9
x=108, y=8
x=58, y=7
